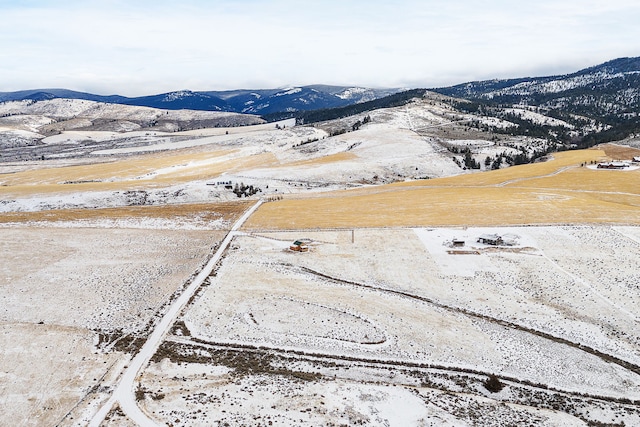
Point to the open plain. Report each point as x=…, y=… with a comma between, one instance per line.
x=343, y=333
x=426, y=294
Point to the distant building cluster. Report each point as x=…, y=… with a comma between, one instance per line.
x=613, y=165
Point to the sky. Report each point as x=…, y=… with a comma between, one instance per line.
x=144, y=47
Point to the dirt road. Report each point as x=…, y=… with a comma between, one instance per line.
x=124, y=393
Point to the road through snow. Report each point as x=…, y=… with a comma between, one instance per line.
x=124, y=390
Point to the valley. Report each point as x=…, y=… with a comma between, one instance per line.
x=421, y=290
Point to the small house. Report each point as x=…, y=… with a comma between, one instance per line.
x=457, y=243
x=490, y=239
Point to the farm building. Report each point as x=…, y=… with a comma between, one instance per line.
x=490, y=239
x=613, y=165
x=457, y=243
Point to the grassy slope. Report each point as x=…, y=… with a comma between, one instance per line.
x=559, y=191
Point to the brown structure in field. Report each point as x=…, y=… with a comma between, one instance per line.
x=299, y=246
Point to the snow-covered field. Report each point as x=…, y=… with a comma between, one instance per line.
x=70, y=297
x=373, y=326
x=340, y=333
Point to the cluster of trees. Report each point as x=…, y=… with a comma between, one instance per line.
x=494, y=163
x=521, y=126
x=455, y=149
x=305, y=142
x=516, y=159
x=356, y=125
x=468, y=162
x=623, y=128
x=613, y=102
x=245, y=190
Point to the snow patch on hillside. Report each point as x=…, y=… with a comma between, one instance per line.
x=558, y=85
x=291, y=91
x=174, y=96
x=351, y=92
x=537, y=118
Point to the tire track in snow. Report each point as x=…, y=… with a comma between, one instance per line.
x=604, y=356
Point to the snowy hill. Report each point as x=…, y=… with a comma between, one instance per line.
x=609, y=88
x=601, y=78
x=605, y=97
x=26, y=123
x=65, y=109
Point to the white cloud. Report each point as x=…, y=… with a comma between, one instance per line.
x=144, y=47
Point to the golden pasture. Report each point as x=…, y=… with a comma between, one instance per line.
x=229, y=211
x=555, y=192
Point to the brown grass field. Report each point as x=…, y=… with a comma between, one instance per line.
x=620, y=152
x=559, y=191
x=228, y=211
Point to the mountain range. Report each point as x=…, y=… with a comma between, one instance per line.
x=259, y=102
x=596, y=104
x=609, y=88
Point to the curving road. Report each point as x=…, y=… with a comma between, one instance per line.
x=123, y=393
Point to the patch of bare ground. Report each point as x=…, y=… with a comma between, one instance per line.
x=619, y=152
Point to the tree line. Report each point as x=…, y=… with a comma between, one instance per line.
x=315, y=116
